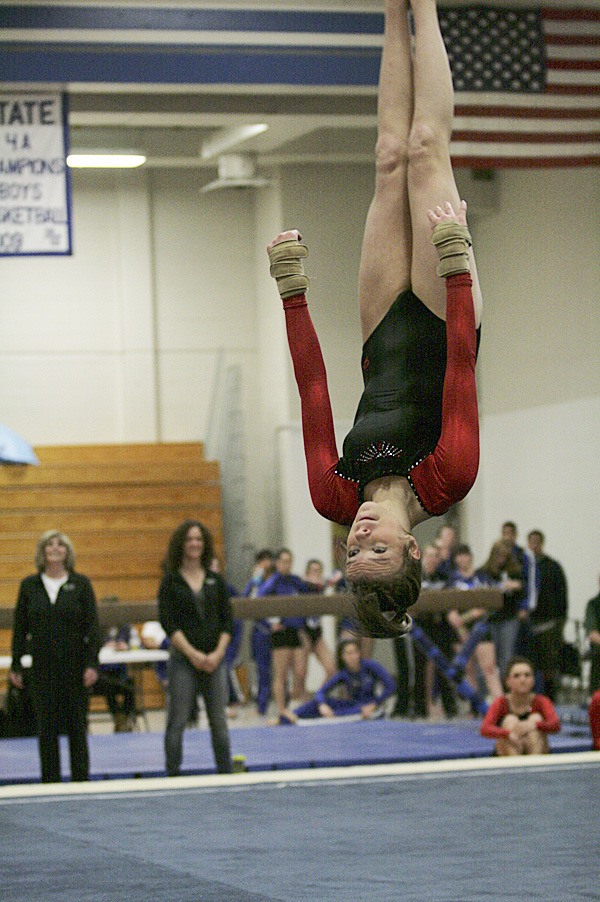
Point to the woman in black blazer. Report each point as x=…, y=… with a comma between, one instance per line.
x=56, y=622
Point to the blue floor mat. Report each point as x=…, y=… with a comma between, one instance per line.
x=125, y=755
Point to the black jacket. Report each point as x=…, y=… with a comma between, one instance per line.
x=552, y=601
x=63, y=639
x=177, y=610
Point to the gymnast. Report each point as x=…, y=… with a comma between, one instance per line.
x=414, y=448
x=364, y=686
x=520, y=721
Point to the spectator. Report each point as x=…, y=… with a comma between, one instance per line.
x=446, y=542
x=195, y=613
x=464, y=576
x=264, y=564
x=235, y=695
x=57, y=622
x=509, y=534
x=547, y=613
x=286, y=646
x=411, y=660
x=360, y=686
x=503, y=571
x=311, y=633
x=520, y=721
x=154, y=637
x=115, y=684
x=594, y=715
x=591, y=625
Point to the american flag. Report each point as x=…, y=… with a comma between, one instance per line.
x=527, y=86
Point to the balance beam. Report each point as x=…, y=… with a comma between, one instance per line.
x=430, y=601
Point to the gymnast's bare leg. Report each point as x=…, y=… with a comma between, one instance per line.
x=413, y=168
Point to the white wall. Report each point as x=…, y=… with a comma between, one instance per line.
x=539, y=372
x=122, y=342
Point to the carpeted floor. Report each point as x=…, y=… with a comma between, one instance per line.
x=486, y=831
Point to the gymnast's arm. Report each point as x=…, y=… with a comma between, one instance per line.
x=384, y=679
x=333, y=497
x=321, y=695
x=550, y=722
x=446, y=476
x=494, y=716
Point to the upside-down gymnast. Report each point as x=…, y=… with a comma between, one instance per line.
x=414, y=448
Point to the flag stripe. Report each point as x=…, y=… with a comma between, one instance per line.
x=504, y=162
x=524, y=137
x=555, y=112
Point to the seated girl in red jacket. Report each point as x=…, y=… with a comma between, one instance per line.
x=519, y=721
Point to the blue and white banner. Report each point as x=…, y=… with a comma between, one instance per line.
x=34, y=179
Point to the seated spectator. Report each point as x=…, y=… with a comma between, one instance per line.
x=519, y=721
x=115, y=684
x=464, y=576
x=154, y=637
x=311, y=633
x=360, y=686
x=591, y=625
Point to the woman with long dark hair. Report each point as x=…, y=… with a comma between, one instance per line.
x=195, y=613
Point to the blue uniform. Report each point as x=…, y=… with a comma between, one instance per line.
x=347, y=693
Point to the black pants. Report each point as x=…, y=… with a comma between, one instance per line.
x=48, y=739
x=411, y=669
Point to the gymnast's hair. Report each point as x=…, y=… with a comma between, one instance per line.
x=394, y=595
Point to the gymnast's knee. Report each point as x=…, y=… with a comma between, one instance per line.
x=427, y=151
x=391, y=155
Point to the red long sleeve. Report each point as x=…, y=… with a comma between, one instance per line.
x=499, y=709
x=333, y=497
x=447, y=475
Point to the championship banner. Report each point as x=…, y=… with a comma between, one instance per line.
x=35, y=214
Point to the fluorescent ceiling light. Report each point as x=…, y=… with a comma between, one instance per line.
x=230, y=137
x=105, y=159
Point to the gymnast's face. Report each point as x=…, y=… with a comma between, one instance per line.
x=376, y=544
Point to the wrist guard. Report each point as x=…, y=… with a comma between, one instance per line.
x=452, y=242
x=286, y=267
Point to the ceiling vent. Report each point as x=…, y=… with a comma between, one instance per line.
x=236, y=171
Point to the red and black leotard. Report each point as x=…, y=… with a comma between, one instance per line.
x=417, y=416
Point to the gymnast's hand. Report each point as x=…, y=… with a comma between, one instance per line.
x=290, y=235
x=447, y=214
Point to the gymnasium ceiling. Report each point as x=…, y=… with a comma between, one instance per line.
x=172, y=123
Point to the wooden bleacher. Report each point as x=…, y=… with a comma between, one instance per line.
x=117, y=503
